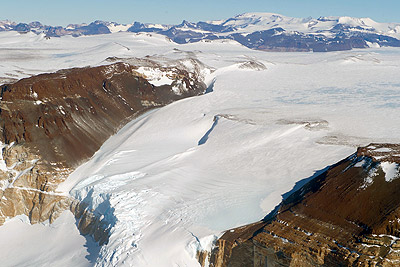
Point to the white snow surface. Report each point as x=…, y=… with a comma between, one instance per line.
x=172, y=180
x=115, y=27
x=391, y=170
x=156, y=76
x=58, y=244
x=24, y=55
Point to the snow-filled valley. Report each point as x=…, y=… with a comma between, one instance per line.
x=171, y=180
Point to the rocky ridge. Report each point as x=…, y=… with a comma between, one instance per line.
x=51, y=123
x=347, y=215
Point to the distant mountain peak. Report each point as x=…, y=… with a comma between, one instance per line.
x=258, y=14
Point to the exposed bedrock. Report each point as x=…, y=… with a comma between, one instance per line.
x=349, y=215
x=52, y=123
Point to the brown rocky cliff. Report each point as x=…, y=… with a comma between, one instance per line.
x=51, y=123
x=349, y=215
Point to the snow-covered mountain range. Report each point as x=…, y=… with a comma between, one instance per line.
x=262, y=31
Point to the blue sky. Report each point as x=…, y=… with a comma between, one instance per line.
x=63, y=12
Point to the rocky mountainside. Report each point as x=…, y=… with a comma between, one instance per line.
x=261, y=31
x=51, y=123
x=347, y=215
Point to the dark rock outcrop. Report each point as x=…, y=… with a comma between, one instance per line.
x=97, y=27
x=22, y=28
x=349, y=215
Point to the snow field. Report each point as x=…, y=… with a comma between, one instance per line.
x=58, y=244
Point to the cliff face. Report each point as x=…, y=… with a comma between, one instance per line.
x=51, y=123
x=349, y=215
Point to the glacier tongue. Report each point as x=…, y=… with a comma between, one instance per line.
x=23, y=244
x=162, y=193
